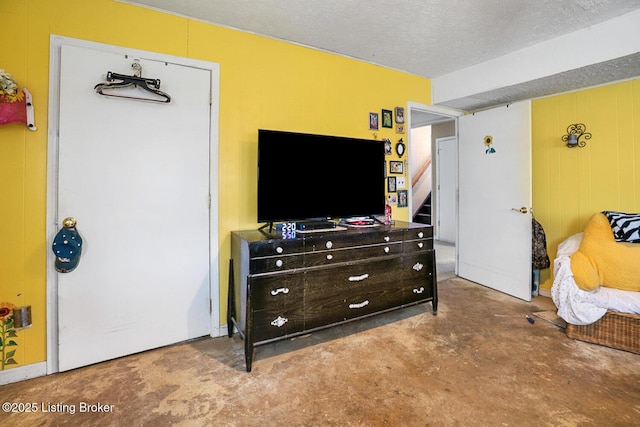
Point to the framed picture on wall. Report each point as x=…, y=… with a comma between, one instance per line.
x=399, y=115
x=396, y=167
x=402, y=198
x=373, y=121
x=392, y=199
x=391, y=184
x=387, y=146
x=387, y=119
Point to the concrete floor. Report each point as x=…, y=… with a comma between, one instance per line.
x=478, y=362
x=445, y=259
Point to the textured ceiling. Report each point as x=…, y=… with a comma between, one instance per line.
x=426, y=38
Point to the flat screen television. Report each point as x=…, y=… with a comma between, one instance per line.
x=318, y=177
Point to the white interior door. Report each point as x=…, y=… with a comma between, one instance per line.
x=135, y=175
x=446, y=173
x=494, y=237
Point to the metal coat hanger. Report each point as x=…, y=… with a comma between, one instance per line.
x=119, y=81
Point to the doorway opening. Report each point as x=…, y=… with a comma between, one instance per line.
x=433, y=196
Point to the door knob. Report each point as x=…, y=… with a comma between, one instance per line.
x=523, y=210
x=69, y=222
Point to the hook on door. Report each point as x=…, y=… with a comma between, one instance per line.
x=67, y=246
x=522, y=210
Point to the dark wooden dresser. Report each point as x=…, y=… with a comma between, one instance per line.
x=280, y=288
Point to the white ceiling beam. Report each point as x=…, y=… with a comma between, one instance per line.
x=615, y=38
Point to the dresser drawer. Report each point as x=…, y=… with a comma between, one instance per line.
x=321, y=242
x=346, y=255
x=276, y=291
x=418, y=233
x=417, y=245
x=275, y=263
x=274, y=323
x=349, y=291
x=417, y=277
x=275, y=247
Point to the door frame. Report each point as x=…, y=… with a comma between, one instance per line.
x=438, y=196
x=440, y=114
x=56, y=43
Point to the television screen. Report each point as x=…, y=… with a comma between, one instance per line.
x=304, y=176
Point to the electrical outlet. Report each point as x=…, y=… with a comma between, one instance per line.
x=400, y=183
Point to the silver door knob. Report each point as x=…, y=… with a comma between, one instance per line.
x=523, y=210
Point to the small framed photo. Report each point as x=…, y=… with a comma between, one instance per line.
x=399, y=115
x=391, y=184
x=373, y=121
x=387, y=146
x=399, y=128
x=396, y=167
x=387, y=119
x=392, y=199
x=402, y=198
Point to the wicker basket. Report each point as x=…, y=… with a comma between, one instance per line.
x=614, y=329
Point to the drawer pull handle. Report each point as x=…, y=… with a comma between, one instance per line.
x=359, y=305
x=279, y=263
x=279, y=321
x=329, y=244
x=387, y=238
x=421, y=234
x=386, y=249
x=275, y=292
x=279, y=249
x=358, y=278
x=417, y=266
x=419, y=290
x=329, y=257
x=420, y=245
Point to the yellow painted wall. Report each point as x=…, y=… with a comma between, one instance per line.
x=570, y=185
x=264, y=84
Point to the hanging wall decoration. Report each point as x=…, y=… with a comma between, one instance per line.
x=396, y=167
x=373, y=121
x=387, y=119
x=7, y=335
x=400, y=147
x=488, y=141
x=16, y=104
x=387, y=146
x=399, y=115
x=402, y=198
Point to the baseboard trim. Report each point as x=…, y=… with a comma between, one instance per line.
x=22, y=373
x=222, y=331
x=545, y=292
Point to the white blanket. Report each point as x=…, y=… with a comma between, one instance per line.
x=580, y=307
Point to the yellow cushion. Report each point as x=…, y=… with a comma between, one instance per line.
x=601, y=261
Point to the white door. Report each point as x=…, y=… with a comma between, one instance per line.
x=135, y=175
x=446, y=172
x=494, y=237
